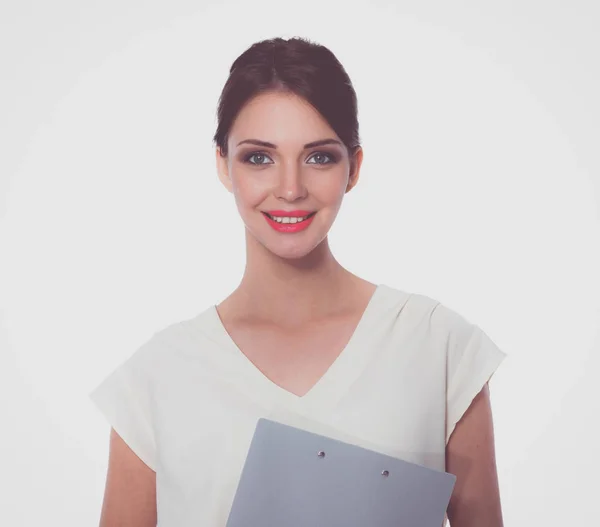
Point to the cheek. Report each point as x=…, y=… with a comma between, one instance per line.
x=329, y=188
x=249, y=191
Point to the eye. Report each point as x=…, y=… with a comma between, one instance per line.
x=259, y=155
x=321, y=155
x=321, y=158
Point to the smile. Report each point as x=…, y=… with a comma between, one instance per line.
x=289, y=224
x=290, y=219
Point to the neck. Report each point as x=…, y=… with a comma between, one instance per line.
x=292, y=291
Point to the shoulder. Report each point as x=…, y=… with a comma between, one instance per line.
x=175, y=339
x=428, y=311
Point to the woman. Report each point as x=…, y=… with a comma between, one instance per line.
x=301, y=338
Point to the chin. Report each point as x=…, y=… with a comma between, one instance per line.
x=290, y=249
x=289, y=246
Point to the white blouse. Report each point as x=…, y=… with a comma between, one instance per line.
x=187, y=400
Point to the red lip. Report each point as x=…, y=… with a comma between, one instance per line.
x=289, y=213
x=290, y=227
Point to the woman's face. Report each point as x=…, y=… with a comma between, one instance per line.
x=287, y=176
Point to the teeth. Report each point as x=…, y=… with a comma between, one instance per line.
x=288, y=219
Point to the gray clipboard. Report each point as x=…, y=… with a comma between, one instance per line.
x=295, y=478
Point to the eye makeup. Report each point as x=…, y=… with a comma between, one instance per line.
x=331, y=156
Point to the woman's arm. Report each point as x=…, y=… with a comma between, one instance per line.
x=130, y=493
x=470, y=455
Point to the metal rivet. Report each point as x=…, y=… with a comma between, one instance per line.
x=385, y=473
x=321, y=454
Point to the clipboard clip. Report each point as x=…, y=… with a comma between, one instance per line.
x=385, y=473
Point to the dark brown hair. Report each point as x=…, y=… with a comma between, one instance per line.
x=295, y=65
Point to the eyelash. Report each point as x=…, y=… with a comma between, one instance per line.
x=332, y=157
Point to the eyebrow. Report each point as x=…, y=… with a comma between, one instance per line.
x=266, y=144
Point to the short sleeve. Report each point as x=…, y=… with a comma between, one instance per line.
x=472, y=360
x=124, y=398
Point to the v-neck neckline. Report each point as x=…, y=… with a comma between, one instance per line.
x=329, y=388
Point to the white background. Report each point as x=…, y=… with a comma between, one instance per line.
x=480, y=187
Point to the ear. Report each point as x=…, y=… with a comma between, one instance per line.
x=223, y=169
x=355, y=164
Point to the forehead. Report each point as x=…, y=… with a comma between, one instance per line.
x=280, y=118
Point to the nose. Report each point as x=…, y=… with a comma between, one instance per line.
x=291, y=185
